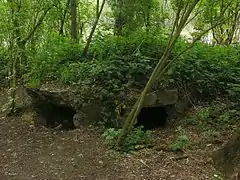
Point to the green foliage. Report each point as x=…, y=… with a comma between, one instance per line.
x=134, y=13
x=136, y=137
x=212, y=11
x=149, y=44
x=110, y=135
x=116, y=64
x=212, y=71
x=3, y=68
x=230, y=117
x=216, y=115
x=201, y=115
x=59, y=54
x=55, y=53
x=180, y=143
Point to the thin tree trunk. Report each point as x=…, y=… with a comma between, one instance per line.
x=12, y=70
x=74, y=30
x=97, y=8
x=158, y=70
x=147, y=21
x=81, y=28
x=19, y=57
x=119, y=19
x=85, y=51
x=21, y=45
x=61, y=32
x=233, y=29
x=162, y=66
x=219, y=32
x=81, y=24
x=13, y=85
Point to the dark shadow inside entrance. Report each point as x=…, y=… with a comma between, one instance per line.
x=52, y=115
x=152, y=117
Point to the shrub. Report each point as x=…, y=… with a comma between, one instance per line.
x=136, y=137
x=180, y=143
x=55, y=53
x=149, y=44
x=216, y=115
x=213, y=71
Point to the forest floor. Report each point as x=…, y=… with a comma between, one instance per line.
x=30, y=153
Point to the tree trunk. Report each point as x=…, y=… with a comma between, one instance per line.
x=224, y=35
x=227, y=159
x=85, y=51
x=119, y=19
x=18, y=55
x=179, y=23
x=14, y=49
x=61, y=32
x=12, y=79
x=97, y=7
x=161, y=67
x=74, y=30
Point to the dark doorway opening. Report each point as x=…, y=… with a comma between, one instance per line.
x=152, y=117
x=52, y=115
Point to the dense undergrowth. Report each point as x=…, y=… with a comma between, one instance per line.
x=116, y=64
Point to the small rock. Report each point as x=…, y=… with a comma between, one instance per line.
x=138, y=147
x=80, y=155
x=100, y=162
x=12, y=174
x=14, y=154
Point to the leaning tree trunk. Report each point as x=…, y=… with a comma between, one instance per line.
x=178, y=26
x=227, y=159
x=86, y=48
x=181, y=21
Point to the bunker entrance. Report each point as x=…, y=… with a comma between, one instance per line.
x=51, y=115
x=152, y=117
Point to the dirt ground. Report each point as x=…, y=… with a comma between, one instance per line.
x=29, y=153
